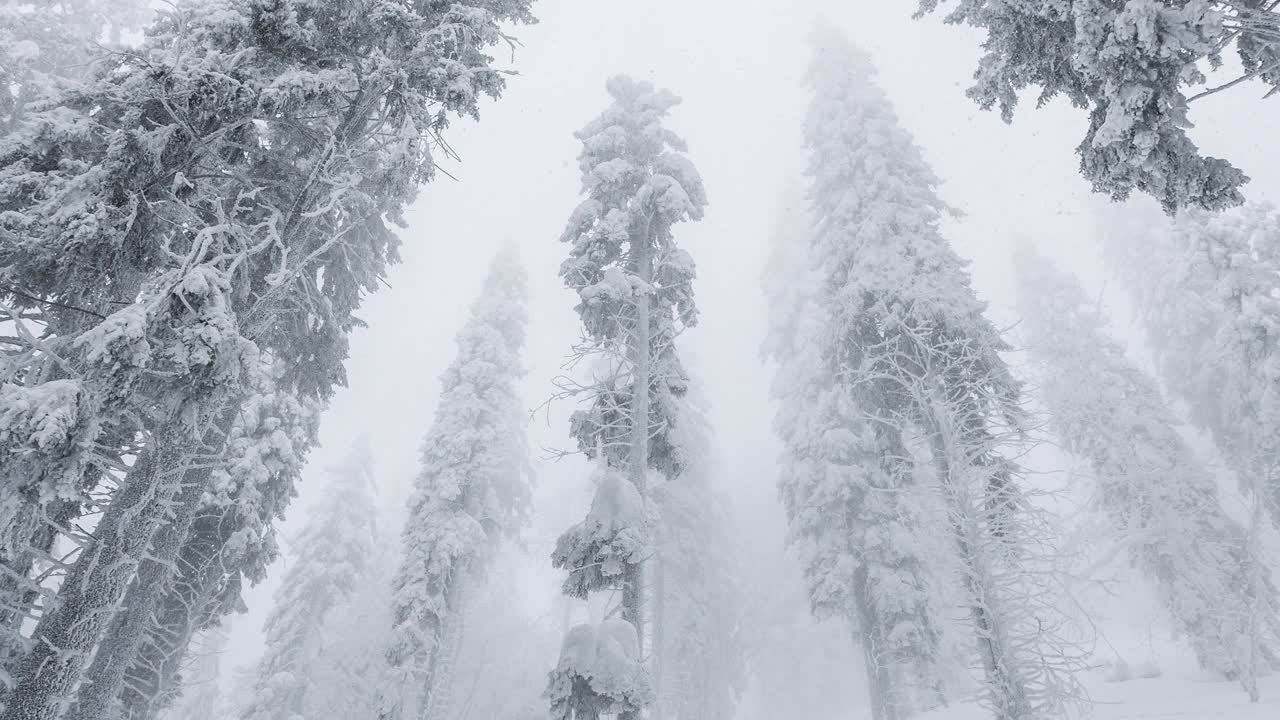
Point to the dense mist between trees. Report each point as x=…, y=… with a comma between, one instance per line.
x=581, y=359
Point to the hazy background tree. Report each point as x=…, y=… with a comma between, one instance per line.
x=202, y=698
x=49, y=41
x=501, y=666
x=845, y=484
x=471, y=494
x=925, y=371
x=1159, y=505
x=1205, y=288
x=305, y=668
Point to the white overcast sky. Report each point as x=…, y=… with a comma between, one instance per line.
x=738, y=65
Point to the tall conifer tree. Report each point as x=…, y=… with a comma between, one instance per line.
x=334, y=560
x=635, y=292
x=1160, y=502
x=921, y=371
x=471, y=493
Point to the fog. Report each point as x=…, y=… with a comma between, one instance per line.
x=739, y=67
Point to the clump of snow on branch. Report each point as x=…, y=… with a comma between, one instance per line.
x=599, y=672
x=616, y=532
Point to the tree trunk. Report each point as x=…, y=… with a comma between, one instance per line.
x=152, y=679
x=68, y=634
x=880, y=685
x=18, y=589
x=633, y=577
x=875, y=694
x=439, y=681
x=658, y=648
x=1009, y=696
x=1257, y=581
x=105, y=677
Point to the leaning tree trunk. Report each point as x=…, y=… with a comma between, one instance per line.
x=440, y=673
x=18, y=589
x=105, y=677
x=870, y=635
x=1007, y=687
x=66, y=637
x=152, y=680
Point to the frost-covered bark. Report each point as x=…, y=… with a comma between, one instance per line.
x=334, y=560
x=910, y=343
x=80, y=619
x=44, y=434
x=219, y=199
x=1136, y=66
x=231, y=542
x=471, y=493
x=634, y=286
x=150, y=680
x=1160, y=503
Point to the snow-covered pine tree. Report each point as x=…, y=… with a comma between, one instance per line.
x=471, y=493
x=219, y=199
x=42, y=46
x=635, y=292
x=844, y=484
x=1160, y=502
x=699, y=669
x=232, y=542
x=1136, y=66
x=334, y=560
x=922, y=363
x=1206, y=286
x=349, y=679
